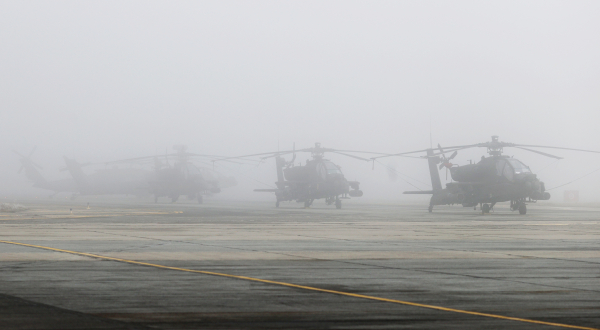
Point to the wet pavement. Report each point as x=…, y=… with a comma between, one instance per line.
x=544, y=266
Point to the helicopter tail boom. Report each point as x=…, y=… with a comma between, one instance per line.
x=420, y=192
x=436, y=182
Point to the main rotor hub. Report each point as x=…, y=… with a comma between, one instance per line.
x=182, y=156
x=317, y=152
x=495, y=147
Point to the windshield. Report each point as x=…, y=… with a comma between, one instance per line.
x=518, y=166
x=332, y=168
x=192, y=170
x=208, y=174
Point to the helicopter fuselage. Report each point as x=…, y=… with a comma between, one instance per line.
x=494, y=179
x=319, y=178
x=182, y=179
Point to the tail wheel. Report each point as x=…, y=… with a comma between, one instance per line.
x=430, y=208
x=338, y=203
x=277, y=204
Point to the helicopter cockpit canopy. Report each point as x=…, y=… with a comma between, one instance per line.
x=191, y=171
x=518, y=166
x=208, y=174
x=327, y=168
x=509, y=167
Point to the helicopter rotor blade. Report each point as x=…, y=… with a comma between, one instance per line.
x=452, y=148
x=32, y=151
x=28, y=159
x=441, y=151
x=357, y=151
x=131, y=160
x=202, y=155
x=274, y=155
x=18, y=153
x=351, y=156
x=561, y=148
x=312, y=150
x=444, y=160
x=271, y=154
x=294, y=153
x=541, y=153
x=453, y=155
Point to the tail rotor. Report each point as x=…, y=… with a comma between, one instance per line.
x=445, y=162
x=26, y=160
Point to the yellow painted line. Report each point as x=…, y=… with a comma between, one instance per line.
x=84, y=216
x=306, y=287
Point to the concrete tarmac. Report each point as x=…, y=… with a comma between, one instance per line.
x=543, y=266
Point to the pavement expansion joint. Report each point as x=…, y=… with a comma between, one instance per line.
x=309, y=288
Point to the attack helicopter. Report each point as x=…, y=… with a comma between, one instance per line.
x=319, y=178
x=494, y=179
x=33, y=174
x=181, y=178
x=102, y=182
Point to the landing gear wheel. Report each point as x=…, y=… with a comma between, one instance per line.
x=277, y=204
x=485, y=208
x=306, y=204
x=338, y=203
x=174, y=199
x=155, y=199
x=200, y=199
x=523, y=208
x=430, y=208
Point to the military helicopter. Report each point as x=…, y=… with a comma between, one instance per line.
x=183, y=177
x=33, y=174
x=318, y=178
x=101, y=182
x=494, y=179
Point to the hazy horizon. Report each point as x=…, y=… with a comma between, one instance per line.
x=101, y=81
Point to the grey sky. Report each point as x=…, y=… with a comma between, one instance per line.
x=112, y=79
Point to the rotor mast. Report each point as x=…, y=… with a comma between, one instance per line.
x=317, y=152
x=495, y=147
x=182, y=155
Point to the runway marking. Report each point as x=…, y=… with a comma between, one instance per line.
x=65, y=216
x=309, y=288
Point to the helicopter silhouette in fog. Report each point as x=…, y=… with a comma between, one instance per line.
x=183, y=178
x=497, y=178
x=319, y=178
x=102, y=182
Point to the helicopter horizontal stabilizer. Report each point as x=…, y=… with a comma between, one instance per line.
x=266, y=190
x=420, y=192
x=474, y=183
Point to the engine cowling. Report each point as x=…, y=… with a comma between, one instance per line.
x=355, y=193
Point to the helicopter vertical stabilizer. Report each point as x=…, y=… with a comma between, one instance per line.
x=436, y=182
x=31, y=172
x=76, y=172
x=280, y=163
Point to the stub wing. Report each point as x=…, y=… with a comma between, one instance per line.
x=420, y=192
x=473, y=183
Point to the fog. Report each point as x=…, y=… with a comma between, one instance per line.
x=106, y=80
